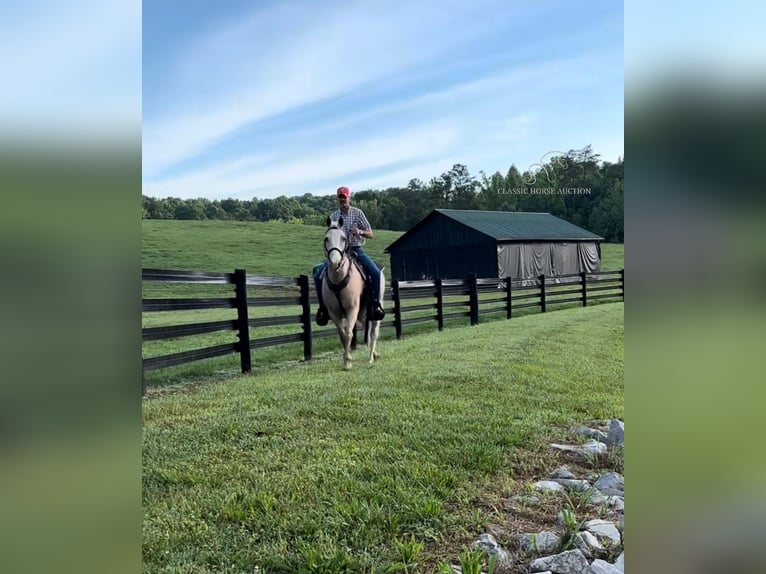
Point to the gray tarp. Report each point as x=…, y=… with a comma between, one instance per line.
x=522, y=260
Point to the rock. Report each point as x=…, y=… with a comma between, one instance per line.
x=611, y=483
x=588, y=432
x=616, y=434
x=587, y=450
x=602, y=567
x=539, y=543
x=569, y=562
x=548, y=485
x=620, y=562
x=597, y=497
x=604, y=528
x=573, y=484
x=617, y=503
x=504, y=559
x=588, y=544
x=562, y=472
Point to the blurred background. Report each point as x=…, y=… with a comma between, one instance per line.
x=695, y=115
x=70, y=173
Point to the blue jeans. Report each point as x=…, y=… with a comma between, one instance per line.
x=370, y=268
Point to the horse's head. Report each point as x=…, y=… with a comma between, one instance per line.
x=335, y=242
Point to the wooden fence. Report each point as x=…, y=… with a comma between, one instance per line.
x=484, y=297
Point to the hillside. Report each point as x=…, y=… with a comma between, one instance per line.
x=262, y=248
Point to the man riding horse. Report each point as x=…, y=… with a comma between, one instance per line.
x=356, y=228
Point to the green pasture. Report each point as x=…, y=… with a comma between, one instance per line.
x=281, y=249
x=394, y=467
x=276, y=249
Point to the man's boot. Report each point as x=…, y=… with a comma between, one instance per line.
x=377, y=311
x=323, y=317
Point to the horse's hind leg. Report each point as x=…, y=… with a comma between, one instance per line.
x=372, y=338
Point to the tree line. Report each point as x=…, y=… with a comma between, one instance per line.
x=575, y=186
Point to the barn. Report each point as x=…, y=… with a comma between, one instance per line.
x=452, y=243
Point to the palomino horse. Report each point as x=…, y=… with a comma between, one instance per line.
x=342, y=289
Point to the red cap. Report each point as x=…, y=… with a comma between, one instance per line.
x=344, y=191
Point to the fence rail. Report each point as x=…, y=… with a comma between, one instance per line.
x=512, y=294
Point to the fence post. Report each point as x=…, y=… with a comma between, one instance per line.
x=439, y=304
x=240, y=293
x=542, y=293
x=473, y=299
x=303, y=282
x=397, y=308
x=508, y=298
x=622, y=282
x=584, y=280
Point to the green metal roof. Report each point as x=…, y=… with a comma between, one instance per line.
x=516, y=225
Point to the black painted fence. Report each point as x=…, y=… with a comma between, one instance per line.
x=259, y=291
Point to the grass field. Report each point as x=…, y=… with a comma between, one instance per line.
x=262, y=249
x=307, y=468
x=396, y=467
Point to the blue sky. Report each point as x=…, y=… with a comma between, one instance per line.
x=269, y=98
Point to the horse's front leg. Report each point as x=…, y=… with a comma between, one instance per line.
x=345, y=342
x=350, y=325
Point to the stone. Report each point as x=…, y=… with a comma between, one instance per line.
x=597, y=498
x=620, y=562
x=562, y=472
x=524, y=500
x=612, y=483
x=569, y=562
x=573, y=484
x=617, y=503
x=504, y=559
x=616, y=434
x=539, y=543
x=548, y=485
x=603, y=567
x=604, y=528
x=588, y=432
x=588, y=544
x=587, y=449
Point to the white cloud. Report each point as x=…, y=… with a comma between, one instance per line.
x=233, y=179
x=297, y=58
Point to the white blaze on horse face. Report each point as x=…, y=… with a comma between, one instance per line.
x=335, y=246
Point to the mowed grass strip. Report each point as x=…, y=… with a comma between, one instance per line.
x=309, y=468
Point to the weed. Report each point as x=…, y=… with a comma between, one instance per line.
x=472, y=561
x=409, y=554
x=571, y=527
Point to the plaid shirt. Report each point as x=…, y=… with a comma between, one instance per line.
x=351, y=220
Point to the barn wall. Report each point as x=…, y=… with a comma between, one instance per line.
x=444, y=262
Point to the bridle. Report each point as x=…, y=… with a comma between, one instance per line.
x=337, y=287
x=341, y=252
